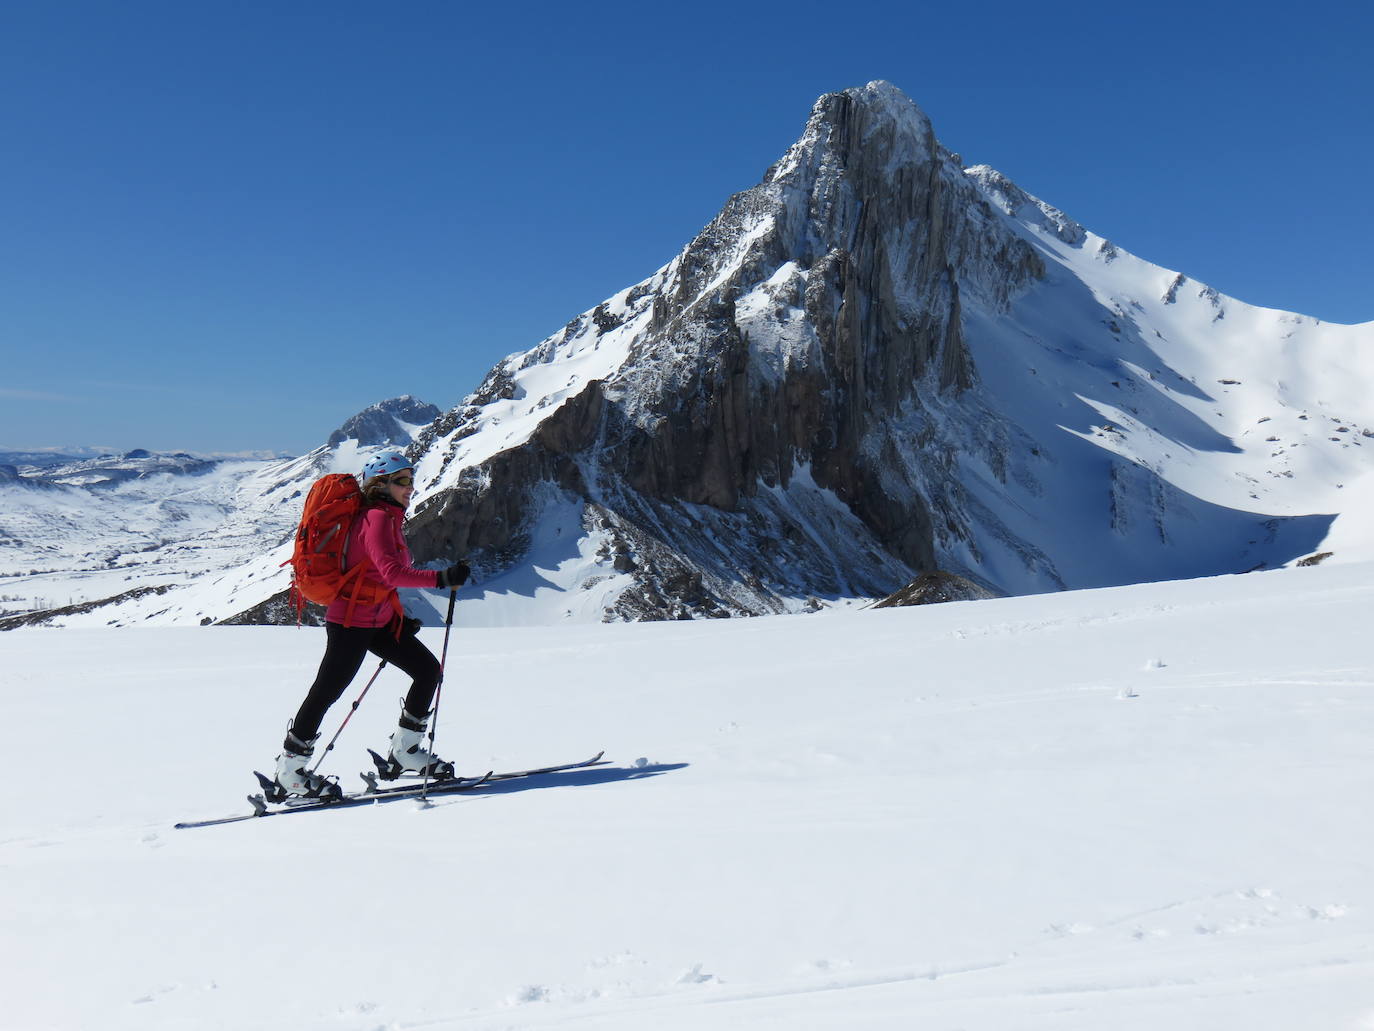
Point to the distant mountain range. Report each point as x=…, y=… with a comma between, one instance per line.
x=47, y=459
x=875, y=366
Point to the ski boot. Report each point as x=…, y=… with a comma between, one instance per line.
x=294, y=779
x=408, y=755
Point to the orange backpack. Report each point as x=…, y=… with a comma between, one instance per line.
x=318, y=563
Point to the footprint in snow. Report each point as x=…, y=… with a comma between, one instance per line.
x=152, y=996
x=1069, y=930
x=1332, y=912
x=695, y=976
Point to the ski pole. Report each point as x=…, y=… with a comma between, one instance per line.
x=354, y=708
x=439, y=691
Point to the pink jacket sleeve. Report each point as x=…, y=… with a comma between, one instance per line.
x=386, y=548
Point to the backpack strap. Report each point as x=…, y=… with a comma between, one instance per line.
x=351, y=588
x=359, y=590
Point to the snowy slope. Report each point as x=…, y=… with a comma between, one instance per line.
x=1231, y=406
x=1134, y=808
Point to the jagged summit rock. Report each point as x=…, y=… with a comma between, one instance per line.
x=393, y=421
x=744, y=393
x=716, y=414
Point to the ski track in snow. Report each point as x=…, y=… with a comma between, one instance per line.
x=1132, y=808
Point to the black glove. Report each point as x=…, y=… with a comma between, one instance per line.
x=410, y=626
x=454, y=576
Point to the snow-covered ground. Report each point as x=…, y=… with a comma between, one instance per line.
x=1132, y=808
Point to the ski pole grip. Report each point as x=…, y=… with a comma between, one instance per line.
x=452, y=599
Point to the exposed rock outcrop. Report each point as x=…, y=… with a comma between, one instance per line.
x=934, y=589
x=47, y=617
x=276, y=611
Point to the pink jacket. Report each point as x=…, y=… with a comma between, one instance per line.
x=376, y=536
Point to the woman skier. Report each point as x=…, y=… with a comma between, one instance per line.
x=353, y=630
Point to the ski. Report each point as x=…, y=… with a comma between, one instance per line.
x=262, y=807
x=593, y=761
x=374, y=793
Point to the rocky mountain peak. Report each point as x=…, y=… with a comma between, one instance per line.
x=770, y=356
x=871, y=366
x=392, y=421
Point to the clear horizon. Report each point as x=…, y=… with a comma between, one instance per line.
x=229, y=228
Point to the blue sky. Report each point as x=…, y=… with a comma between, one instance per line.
x=229, y=226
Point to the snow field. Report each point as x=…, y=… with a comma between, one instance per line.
x=1134, y=808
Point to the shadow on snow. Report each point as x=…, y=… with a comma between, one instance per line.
x=574, y=778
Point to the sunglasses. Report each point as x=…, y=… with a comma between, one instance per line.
x=402, y=481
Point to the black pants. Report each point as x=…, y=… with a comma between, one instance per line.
x=344, y=655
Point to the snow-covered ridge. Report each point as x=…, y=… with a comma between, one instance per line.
x=1285, y=398
x=524, y=389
